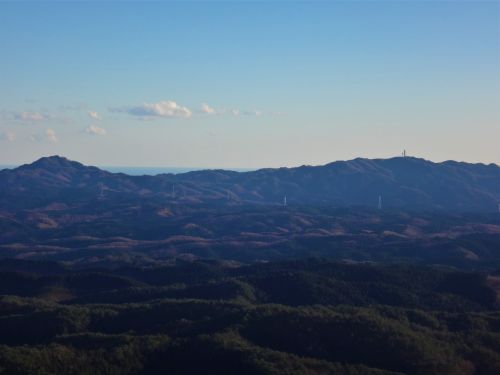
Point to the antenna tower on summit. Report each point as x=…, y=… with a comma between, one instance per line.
x=404, y=153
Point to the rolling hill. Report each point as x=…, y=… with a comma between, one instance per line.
x=406, y=183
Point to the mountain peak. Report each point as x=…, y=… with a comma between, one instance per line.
x=52, y=173
x=52, y=162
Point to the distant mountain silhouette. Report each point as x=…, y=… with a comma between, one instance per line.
x=402, y=182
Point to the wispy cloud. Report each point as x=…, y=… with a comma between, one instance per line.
x=95, y=130
x=165, y=109
x=48, y=136
x=171, y=109
x=30, y=116
x=51, y=136
x=8, y=136
x=94, y=115
x=237, y=112
x=256, y=112
x=205, y=108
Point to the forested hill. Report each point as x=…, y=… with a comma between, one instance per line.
x=304, y=317
x=408, y=183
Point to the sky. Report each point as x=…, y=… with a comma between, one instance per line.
x=249, y=84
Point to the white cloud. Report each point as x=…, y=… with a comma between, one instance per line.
x=171, y=109
x=166, y=108
x=232, y=112
x=7, y=136
x=30, y=116
x=51, y=136
x=254, y=112
x=94, y=115
x=95, y=130
x=205, y=108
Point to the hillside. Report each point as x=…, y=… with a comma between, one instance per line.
x=115, y=274
x=407, y=183
x=307, y=317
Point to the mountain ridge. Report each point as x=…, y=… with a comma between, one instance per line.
x=402, y=182
x=53, y=159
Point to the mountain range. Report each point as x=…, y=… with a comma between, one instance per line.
x=401, y=182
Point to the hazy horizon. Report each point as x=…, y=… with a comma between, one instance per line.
x=146, y=170
x=159, y=169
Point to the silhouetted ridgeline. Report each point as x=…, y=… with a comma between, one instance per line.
x=408, y=183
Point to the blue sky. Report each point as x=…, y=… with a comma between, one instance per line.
x=249, y=84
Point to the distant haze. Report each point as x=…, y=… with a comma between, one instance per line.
x=137, y=171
